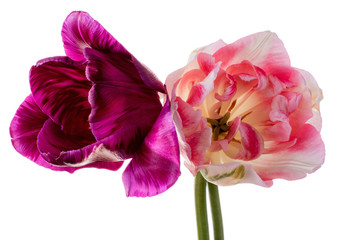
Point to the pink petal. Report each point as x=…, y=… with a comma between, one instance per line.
x=302, y=113
x=246, y=69
x=218, y=145
x=190, y=118
x=279, y=131
x=274, y=87
x=307, y=81
x=199, y=142
x=172, y=81
x=251, y=144
x=196, y=133
x=188, y=80
x=262, y=49
x=251, y=141
x=81, y=31
x=211, y=48
x=206, y=62
x=234, y=128
x=294, y=162
x=229, y=90
x=121, y=102
x=155, y=168
x=61, y=90
x=200, y=90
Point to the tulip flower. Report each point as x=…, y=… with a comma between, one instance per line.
x=98, y=106
x=245, y=115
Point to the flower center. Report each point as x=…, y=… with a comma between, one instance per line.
x=219, y=125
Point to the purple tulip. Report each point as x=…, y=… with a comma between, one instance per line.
x=97, y=107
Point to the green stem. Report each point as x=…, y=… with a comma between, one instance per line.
x=216, y=212
x=200, y=206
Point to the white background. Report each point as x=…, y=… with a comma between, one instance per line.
x=320, y=36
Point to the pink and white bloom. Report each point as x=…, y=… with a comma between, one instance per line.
x=245, y=115
x=97, y=107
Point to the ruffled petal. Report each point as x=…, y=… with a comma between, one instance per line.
x=229, y=88
x=302, y=113
x=246, y=69
x=231, y=173
x=209, y=49
x=200, y=90
x=61, y=90
x=155, y=168
x=195, y=132
x=171, y=82
x=61, y=149
x=316, y=97
x=316, y=92
x=120, y=100
x=190, y=118
x=188, y=80
x=249, y=147
x=294, y=162
x=251, y=141
x=263, y=49
x=81, y=31
x=206, y=62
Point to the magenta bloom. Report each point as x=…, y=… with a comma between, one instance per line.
x=97, y=107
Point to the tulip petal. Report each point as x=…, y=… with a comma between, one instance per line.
x=24, y=130
x=245, y=69
x=231, y=173
x=120, y=100
x=61, y=149
x=194, y=131
x=206, y=62
x=155, y=168
x=201, y=89
x=263, y=49
x=61, y=90
x=251, y=141
x=25, y=127
x=148, y=77
x=229, y=88
x=249, y=147
x=81, y=31
x=305, y=156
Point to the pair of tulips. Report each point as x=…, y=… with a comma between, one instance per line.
x=238, y=113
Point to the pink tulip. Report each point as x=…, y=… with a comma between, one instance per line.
x=244, y=115
x=98, y=107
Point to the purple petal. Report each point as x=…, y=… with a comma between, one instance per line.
x=24, y=130
x=80, y=31
x=120, y=100
x=25, y=127
x=61, y=90
x=155, y=167
x=61, y=149
x=148, y=77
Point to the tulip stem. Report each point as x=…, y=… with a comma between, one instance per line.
x=200, y=206
x=216, y=212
